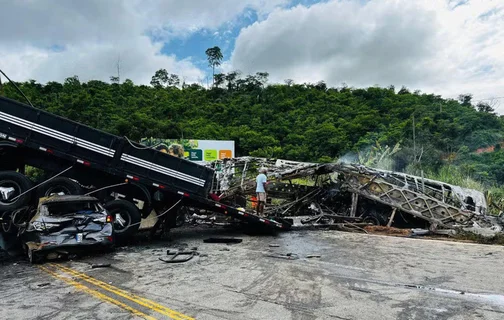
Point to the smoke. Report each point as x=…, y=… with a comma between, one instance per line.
x=373, y=156
x=348, y=158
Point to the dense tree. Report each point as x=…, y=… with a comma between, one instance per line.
x=159, y=78
x=164, y=79
x=219, y=79
x=484, y=107
x=214, y=56
x=173, y=80
x=114, y=79
x=304, y=122
x=465, y=99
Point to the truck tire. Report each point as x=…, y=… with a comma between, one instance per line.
x=127, y=217
x=59, y=185
x=20, y=183
x=374, y=217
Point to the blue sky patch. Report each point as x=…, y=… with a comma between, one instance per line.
x=194, y=45
x=485, y=16
x=57, y=48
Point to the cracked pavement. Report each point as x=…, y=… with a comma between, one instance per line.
x=357, y=276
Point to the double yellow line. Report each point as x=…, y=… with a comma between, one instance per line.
x=149, y=304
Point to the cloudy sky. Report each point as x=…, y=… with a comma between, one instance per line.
x=446, y=47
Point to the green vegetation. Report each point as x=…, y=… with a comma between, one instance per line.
x=303, y=122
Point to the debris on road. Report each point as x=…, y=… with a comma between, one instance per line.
x=100, y=265
x=223, y=240
x=41, y=285
x=419, y=232
x=178, y=256
x=288, y=256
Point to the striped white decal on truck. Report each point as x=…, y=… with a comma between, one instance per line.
x=166, y=171
x=98, y=148
x=57, y=134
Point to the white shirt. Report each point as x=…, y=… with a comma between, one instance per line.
x=260, y=180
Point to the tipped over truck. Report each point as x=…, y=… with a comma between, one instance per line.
x=135, y=183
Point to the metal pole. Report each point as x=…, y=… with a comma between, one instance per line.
x=423, y=183
x=392, y=217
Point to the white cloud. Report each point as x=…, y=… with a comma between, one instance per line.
x=52, y=40
x=431, y=45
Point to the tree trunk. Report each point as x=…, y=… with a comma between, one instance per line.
x=213, y=75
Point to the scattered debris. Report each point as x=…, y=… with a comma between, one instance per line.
x=100, y=265
x=224, y=249
x=360, y=289
x=274, y=245
x=350, y=197
x=313, y=256
x=288, y=256
x=176, y=256
x=223, y=240
x=419, y=232
x=41, y=285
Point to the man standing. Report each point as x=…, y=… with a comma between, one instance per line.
x=261, y=181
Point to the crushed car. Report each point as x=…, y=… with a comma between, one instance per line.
x=67, y=224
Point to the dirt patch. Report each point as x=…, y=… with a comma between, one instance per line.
x=391, y=231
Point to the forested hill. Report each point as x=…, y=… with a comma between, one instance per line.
x=304, y=122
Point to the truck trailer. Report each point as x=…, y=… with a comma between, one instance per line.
x=78, y=159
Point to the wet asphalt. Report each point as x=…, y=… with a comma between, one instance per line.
x=328, y=275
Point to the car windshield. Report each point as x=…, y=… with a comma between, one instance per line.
x=65, y=208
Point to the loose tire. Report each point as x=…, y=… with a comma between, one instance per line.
x=20, y=183
x=59, y=185
x=127, y=217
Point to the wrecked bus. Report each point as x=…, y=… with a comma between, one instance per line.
x=342, y=192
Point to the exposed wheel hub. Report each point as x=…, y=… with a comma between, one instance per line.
x=7, y=192
x=120, y=220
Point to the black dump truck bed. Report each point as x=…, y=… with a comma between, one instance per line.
x=38, y=130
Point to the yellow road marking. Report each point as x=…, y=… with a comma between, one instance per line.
x=172, y=314
x=97, y=294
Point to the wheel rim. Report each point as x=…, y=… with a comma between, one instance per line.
x=372, y=220
x=58, y=190
x=122, y=220
x=6, y=226
x=9, y=185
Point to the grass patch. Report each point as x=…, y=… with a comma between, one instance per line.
x=498, y=239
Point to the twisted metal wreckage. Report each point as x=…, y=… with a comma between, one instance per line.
x=350, y=196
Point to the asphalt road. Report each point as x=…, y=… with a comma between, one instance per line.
x=357, y=276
